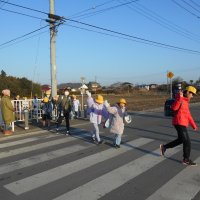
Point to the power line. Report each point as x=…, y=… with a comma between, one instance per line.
x=195, y=3
x=149, y=14
x=23, y=39
x=3, y=3
x=185, y=9
x=11, y=11
x=137, y=38
x=107, y=34
x=24, y=7
x=108, y=30
x=92, y=8
x=105, y=9
x=23, y=36
x=190, y=5
x=120, y=37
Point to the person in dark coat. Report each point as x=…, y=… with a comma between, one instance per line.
x=64, y=106
x=46, y=107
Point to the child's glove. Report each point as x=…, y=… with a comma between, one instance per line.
x=106, y=104
x=88, y=93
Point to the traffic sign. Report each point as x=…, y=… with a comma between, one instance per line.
x=170, y=74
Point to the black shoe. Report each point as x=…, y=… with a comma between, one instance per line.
x=117, y=146
x=68, y=133
x=100, y=142
x=162, y=150
x=93, y=139
x=189, y=162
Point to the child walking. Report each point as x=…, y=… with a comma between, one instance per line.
x=96, y=110
x=117, y=115
x=46, y=107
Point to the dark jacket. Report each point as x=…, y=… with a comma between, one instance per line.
x=64, y=104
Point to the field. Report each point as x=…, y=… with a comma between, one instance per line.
x=141, y=100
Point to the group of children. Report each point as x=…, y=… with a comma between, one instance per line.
x=99, y=112
x=98, y=109
x=64, y=104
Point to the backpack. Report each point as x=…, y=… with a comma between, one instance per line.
x=175, y=112
x=168, y=108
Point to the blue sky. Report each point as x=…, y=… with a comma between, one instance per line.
x=105, y=58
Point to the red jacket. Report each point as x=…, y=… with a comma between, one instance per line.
x=183, y=117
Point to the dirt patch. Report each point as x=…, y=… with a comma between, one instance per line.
x=139, y=101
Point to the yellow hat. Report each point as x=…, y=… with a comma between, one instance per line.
x=45, y=100
x=191, y=89
x=99, y=99
x=122, y=101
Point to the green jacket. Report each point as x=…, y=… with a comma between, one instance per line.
x=7, y=110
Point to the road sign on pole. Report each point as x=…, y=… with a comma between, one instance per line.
x=170, y=76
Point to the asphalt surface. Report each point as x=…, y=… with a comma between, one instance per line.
x=40, y=164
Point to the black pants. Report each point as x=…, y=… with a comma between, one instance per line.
x=183, y=138
x=60, y=119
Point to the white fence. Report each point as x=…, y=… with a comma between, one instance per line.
x=32, y=105
x=34, y=109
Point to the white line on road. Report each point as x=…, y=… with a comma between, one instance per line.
x=38, y=180
x=184, y=186
x=104, y=184
x=24, y=141
x=41, y=158
x=39, y=146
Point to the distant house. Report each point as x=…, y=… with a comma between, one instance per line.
x=94, y=86
x=143, y=87
x=74, y=87
x=45, y=88
x=153, y=86
x=120, y=87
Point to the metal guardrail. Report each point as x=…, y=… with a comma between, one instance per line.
x=34, y=111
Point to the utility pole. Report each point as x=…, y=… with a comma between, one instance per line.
x=53, y=49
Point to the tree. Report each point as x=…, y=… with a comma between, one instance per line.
x=191, y=81
x=3, y=73
x=177, y=80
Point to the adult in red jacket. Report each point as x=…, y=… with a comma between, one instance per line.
x=181, y=120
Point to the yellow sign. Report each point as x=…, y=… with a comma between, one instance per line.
x=170, y=74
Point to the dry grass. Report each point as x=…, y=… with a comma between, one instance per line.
x=139, y=101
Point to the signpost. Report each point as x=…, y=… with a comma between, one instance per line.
x=170, y=76
x=82, y=89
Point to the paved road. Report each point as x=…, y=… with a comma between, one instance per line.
x=43, y=165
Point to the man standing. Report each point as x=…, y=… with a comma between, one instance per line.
x=182, y=118
x=64, y=106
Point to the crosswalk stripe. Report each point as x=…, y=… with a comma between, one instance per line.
x=36, y=132
x=104, y=184
x=11, y=137
x=38, y=180
x=184, y=186
x=41, y=158
x=39, y=146
x=24, y=141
